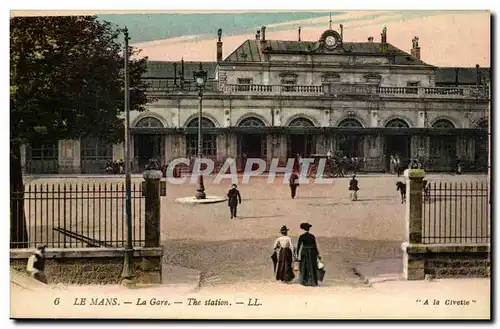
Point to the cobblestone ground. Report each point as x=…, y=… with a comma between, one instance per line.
x=230, y=251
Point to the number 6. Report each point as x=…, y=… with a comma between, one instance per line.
x=56, y=301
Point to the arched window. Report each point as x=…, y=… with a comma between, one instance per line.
x=209, y=143
x=443, y=123
x=301, y=122
x=251, y=122
x=149, y=122
x=350, y=123
x=205, y=122
x=397, y=123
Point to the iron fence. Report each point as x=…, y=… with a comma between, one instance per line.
x=456, y=212
x=78, y=215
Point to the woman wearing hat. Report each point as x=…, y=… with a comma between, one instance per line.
x=308, y=255
x=284, y=249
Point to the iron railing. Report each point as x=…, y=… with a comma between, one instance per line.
x=455, y=212
x=78, y=215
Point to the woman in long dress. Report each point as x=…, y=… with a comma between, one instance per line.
x=308, y=251
x=284, y=250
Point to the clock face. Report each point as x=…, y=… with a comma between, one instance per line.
x=330, y=41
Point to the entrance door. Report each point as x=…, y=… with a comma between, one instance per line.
x=398, y=145
x=252, y=145
x=350, y=146
x=301, y=144
x=148, y=147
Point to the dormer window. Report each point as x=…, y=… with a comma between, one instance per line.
x=289, y=81
x=244, y=84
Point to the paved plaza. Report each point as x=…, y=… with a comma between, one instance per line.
x=229, y=251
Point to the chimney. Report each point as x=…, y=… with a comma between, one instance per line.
x=383, y=40
x=257, y=35
x=219, y=46
x=263, y=29
x=370, y=39
x=415, y=49
x=299, y=32
x=478, y=75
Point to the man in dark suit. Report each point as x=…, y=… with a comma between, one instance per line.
x=293, y=182
x=233, y=199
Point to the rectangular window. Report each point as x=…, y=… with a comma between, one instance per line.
x=244, y=84
x=209, y=145
x=412, y=87
x=96, y=149
x=289, y=85
x=44, y=151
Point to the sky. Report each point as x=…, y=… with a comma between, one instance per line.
x=446, y=38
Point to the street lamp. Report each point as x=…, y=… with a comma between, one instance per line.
x=128, y=266
x=200, y=78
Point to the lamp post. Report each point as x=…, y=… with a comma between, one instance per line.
x=200, y=78
x=128, y=267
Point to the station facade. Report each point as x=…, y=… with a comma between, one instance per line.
x=275, y=99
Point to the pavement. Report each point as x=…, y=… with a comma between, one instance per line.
x=379, y=271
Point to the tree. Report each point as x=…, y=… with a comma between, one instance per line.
x=66, y=82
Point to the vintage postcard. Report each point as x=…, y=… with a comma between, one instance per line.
x=250, y=164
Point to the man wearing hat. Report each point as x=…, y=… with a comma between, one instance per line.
x=353, y=188
x=294, y=183
x=233, y=199
x=283, y=256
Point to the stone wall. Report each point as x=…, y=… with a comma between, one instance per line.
x=446, y=261
x=93, y=265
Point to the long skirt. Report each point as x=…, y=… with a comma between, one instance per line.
x=308, y=267
x=284, y=271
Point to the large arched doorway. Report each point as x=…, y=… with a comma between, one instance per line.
x=443, y=148
x=397, y=145
x=252, y=144
x=149, y=145
x=209, y=144
x=301, y=143
x=482, y=148
x=350, y=145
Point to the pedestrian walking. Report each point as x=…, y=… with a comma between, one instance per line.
x=283, y=247
x=353, y=188
x=397, y=165
x=294, y=183
x=459, y=168
x=233, y=199
x=36, y=265
x=391, y=163
x=308, y=253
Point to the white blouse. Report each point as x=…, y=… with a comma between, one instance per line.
x=283, y=241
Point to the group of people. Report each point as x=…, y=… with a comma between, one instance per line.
x=306, y=254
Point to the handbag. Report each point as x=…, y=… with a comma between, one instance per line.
x=321, y=270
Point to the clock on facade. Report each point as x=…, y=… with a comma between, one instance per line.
x=330, y=41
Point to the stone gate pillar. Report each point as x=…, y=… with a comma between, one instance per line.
x=413, y=267
x=151, y=188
